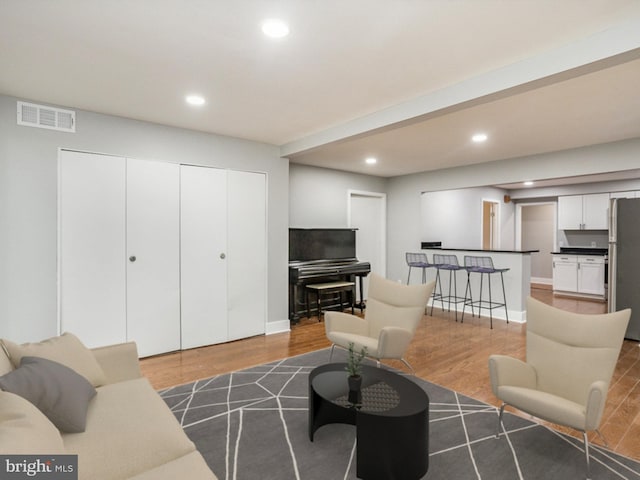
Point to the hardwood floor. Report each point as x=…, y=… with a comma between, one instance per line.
x=445, y=352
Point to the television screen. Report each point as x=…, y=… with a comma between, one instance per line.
x=307, y=244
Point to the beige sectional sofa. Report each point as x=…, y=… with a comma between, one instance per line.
x=128, y=431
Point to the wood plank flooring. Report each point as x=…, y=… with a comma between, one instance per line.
x=445, y=352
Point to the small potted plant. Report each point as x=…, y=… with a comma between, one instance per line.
x=354, y=368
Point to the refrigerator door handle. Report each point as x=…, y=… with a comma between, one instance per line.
x=613, y=220
x=611, y=287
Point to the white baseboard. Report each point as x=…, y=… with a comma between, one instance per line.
x=279, y=326
x=542, y=281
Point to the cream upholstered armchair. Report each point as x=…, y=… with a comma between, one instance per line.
x=570, y=361
x=391, y=317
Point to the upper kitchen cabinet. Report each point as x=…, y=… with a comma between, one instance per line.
x=629, y=194
x=583, y=212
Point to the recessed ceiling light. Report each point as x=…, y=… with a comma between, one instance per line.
x=275, y=28
x=479, y=137
x=371, y=161
x=196, y=100
x=528, y=183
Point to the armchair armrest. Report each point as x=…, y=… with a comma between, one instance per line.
x=504, y=370
x=119, y=362
x=393, y=342
x=345, y=323
x=596, y=399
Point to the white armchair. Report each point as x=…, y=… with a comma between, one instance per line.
x=393, y=312
x=570, y=361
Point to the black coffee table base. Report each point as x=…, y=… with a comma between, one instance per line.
x=391, y=443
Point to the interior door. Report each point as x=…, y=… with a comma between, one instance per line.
x=91, y=261
x=247, y=254
x=153, y=262
x=490, y=233
x=367, y=214
x=203, y=255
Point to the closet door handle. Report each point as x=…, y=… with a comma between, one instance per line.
x=132, y=258
x=223, y=256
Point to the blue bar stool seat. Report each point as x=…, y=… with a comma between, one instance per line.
x=447, y=263
x=483, y=265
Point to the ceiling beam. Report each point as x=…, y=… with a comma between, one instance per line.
x=610, y=47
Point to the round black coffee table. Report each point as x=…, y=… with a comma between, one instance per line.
x=392, y=420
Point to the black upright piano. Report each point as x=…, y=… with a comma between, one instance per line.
x=318, y=255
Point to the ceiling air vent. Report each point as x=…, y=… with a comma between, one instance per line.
x=41, y=116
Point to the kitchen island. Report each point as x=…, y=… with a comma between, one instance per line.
x=517, y=280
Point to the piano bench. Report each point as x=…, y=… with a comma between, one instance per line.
x=328, y=288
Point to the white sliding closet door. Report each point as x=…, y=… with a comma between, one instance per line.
x=153, y=256
x=91, y=261
x=165, y=255
x=223, y=255
x=203, y=255
x=246, y=254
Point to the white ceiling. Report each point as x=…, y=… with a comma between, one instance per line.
x=406, y=81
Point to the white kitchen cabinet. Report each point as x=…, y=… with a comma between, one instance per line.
x=579, y=275
x=591, y=275
x=570, y=212
x=595, y=211
x=565, y=273
x=583, y=212
x=629, y=194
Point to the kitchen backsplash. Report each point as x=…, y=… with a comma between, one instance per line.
x=583, y=238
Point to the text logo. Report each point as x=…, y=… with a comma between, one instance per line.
x=43, y=467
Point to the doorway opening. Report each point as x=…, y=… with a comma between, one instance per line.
x=368, y=213
x=490, y=233
x=536, y=230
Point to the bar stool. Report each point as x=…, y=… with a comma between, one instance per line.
x=418, y=260
x=483, y=265
x=448, y=263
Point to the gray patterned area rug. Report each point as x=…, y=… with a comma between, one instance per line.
x=252, y=424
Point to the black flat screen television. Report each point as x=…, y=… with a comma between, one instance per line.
x=307, y=244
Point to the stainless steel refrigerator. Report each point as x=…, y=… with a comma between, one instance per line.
x=624, y=260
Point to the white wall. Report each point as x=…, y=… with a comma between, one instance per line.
x=319, y=196
x=454, y=217
x=403, y=193
x=28, y=203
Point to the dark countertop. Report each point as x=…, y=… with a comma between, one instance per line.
x=582, y=251
x=480, y=250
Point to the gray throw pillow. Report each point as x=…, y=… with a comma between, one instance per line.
x=60, y=393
